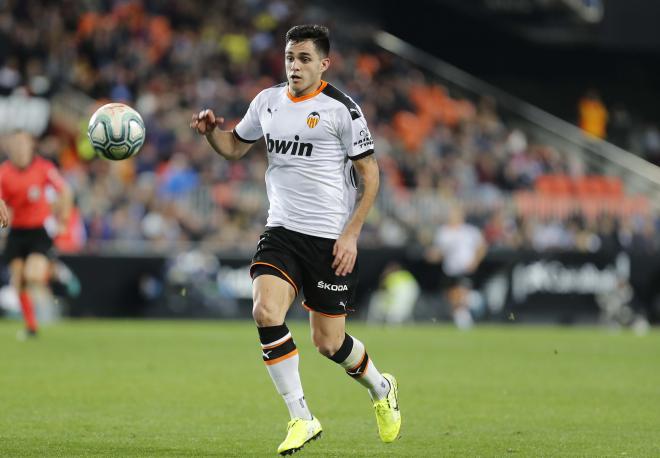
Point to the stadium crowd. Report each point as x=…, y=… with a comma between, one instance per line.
x=435, y=145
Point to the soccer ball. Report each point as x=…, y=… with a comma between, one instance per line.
x=116, y=131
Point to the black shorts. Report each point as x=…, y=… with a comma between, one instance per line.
x=452, y=281
x=22, y=242
x=305, y=262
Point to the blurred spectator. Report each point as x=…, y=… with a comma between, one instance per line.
x=593, y=115
x=620, y=126
x=395, y=299
x=461, y=248
x=650, y=139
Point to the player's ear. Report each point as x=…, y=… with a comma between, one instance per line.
x=325, y=63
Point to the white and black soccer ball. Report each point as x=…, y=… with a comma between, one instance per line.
x=116, y=131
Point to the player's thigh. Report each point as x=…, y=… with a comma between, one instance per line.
x=327, y=332
x=276, y=277
x=325, y=292
x=272, y=296
x=36, y=268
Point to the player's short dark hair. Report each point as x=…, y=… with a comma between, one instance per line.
x=318, y=34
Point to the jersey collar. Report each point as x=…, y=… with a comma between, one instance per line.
x=308, y=96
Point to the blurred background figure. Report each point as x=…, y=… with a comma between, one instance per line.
x=620, y=126
x=617, y=308
x=461, y=248
x=24, y=182
x=593, y=115
x=394, y=300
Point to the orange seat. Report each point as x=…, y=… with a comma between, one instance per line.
x=613, y=186
x=554, y=184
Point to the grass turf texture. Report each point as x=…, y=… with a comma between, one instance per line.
x=128, y=388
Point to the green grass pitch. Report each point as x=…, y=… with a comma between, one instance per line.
x=165, y=388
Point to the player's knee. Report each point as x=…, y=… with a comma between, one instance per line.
x=265, y=314
x=36, y=270
x=326, y=345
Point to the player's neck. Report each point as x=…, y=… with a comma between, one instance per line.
x=25, y=166
x=312, y=88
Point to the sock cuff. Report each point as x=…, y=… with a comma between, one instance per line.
x=271, y=335
x=344, y=351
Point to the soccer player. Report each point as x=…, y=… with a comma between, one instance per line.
x=24, y=179
x=321, y=181
x=461, y=247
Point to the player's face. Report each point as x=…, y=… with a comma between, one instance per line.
x=20, y=149
x=304, y=67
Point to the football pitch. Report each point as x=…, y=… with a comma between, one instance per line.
x=186, y=388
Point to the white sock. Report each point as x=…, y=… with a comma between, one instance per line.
x=353, y=357
x=463, y=318
x=280, y=354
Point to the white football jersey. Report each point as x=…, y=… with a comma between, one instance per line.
x=310, y=181
x=459, y=245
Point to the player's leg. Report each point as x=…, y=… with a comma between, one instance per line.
x=36, y=274
x=16, y=273
x=276, y=275
x=272, y=298
x=329, y=298
x=457, y=297
x=332, y=341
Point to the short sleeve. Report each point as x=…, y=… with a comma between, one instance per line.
x=249, y=129
x=355, y=134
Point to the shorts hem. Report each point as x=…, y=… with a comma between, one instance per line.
x=287, y=278
x=311, y=309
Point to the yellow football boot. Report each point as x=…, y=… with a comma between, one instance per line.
x=388, y=415
x=299, y=432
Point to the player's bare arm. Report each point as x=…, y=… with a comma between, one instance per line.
x=479, y=256
x=224, y=142
x=345, y=249
x=4, y=214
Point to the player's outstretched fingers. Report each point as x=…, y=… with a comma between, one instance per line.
x=210, y=117
x=201, y=122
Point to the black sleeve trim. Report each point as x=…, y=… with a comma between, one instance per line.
x=361, y=155
x=241, y=139
x=338, y=95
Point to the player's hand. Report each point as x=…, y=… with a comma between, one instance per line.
x=345, y=253
x=205, y=122
x=4, y=214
